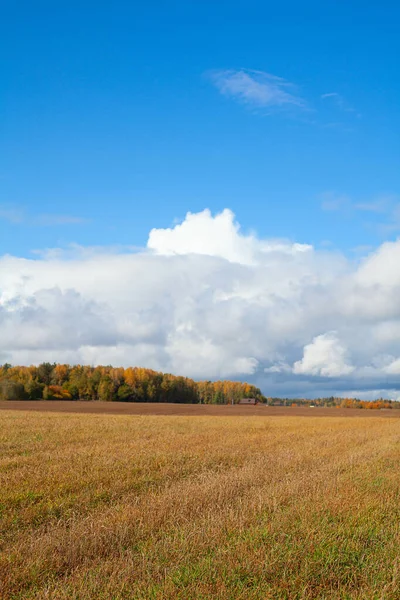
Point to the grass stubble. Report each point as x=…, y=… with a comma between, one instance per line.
x=153, y=507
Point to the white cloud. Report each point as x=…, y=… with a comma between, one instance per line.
x=381, y=269
x=325, y=356
x=257, y=88
x=54, y=319
x=393, y=368
x=219, y=236
x=206, y=300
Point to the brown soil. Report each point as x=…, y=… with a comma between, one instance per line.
x=142, y=408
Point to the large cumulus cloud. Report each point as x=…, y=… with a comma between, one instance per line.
x=204, y=300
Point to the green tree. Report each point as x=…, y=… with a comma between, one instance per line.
x=106, y=390
x=125, y=393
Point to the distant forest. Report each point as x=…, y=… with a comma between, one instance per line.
x=335, y=402
x=64, y=382
x=135, y=384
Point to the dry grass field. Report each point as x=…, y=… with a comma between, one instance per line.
x=120, y=507
x=162, y=408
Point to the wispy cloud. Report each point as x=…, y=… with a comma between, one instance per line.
x=49, y=220
x=381, y=213
x=380, y=205
x=19, y=216
x=76, y=251
x=392, y=223
x=11, y=214
x=386, y=203
x=339, y=101
x=266, y=93
x=331, y=201
x=257, y=88
x=263, y=91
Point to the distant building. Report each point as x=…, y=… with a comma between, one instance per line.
x=248, y=401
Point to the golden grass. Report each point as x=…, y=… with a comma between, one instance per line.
x=130, y=507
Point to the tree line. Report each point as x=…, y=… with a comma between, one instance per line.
x=335, y=402
x=51, y=381
x=134, y=384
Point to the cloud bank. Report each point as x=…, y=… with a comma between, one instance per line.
x=205, y=300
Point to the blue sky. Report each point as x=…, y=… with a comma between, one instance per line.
x=111, y=118
x=204, y=188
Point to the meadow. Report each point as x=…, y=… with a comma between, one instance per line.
x=120, y=507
